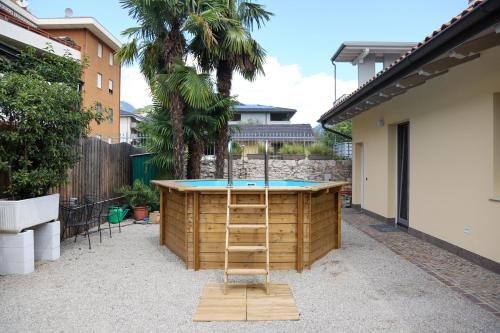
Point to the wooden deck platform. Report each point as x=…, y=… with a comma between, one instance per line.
x=244, y=302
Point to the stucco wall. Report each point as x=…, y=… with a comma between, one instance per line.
x=283, y=169
x=451, y=162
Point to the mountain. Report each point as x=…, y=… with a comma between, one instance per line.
x=126, y=106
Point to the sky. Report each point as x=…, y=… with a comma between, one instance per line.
x=300, y=40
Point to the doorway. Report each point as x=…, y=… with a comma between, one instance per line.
x=403, y=197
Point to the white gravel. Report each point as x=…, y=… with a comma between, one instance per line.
x=130, y=284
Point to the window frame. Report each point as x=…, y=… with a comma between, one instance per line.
x=100, y=50
x=111, y=59
x=110, y=115
x=110, y=86
x=99, y=81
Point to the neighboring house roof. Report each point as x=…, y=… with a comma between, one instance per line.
x=279, y=132
x=64, y=23
x=124, y=113
x=257, y=108
x=349, y=51
x=425, y=61
x=81, y=23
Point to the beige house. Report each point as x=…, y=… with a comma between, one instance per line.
x=426, y=137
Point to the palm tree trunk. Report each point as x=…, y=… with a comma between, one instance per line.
x=174, y=50
x=195, y=148
x=224, y=80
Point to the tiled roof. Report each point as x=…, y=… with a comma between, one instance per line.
x=279, y=132
x=473, y=6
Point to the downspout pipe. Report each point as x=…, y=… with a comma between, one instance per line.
x=335, y=132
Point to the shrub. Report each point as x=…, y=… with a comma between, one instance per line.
x=140, y=194
x=237, y=149
x=41, y=122
x=295, y=149
x=320, y=149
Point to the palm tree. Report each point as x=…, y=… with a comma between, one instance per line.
x=159, y=44
x=202, y=107
x=235, y=50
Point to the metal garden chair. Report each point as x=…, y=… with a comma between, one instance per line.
x=76, y=216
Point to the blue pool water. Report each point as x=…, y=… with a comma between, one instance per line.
x=249, y=182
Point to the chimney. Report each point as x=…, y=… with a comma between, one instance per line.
x=21, y=3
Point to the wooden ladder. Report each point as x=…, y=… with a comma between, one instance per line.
x=246, y=248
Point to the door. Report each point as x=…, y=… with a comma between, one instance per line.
x=403, y=175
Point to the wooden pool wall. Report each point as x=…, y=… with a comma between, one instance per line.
x=304, y=226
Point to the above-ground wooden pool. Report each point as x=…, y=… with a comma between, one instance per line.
x=304, y=220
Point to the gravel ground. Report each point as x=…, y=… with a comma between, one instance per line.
x=130, y=284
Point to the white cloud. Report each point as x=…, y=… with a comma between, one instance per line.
x=283, y=86
x=134, y=89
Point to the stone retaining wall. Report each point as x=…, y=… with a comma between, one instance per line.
x=284, y=169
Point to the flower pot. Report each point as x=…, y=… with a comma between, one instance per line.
x=318, y=157
x=294, y=157
x=140, y=213
x=16, y=215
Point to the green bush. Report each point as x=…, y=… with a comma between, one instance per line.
x=237, y=149
x=320, y=149
x=261, y=147
x=41, y=121
x=140, y=194
x=295, y=149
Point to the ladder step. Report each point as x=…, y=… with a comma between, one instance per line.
x=261, y=206
x=247, y=226
x=246, y=248
x=246, y=271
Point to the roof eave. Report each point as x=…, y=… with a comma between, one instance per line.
x=485, y=15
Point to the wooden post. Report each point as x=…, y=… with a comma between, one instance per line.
x=300, y=232
x=338, y=199
x=196, y=230
x=163, y=214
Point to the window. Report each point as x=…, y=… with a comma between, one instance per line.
x=279, y=116
x=99, y=80
x=236, y=117
x=98, y=109
x=110, y=86
x=111, y=58
x=99, y=50
x=496, y=144
x=110, y=115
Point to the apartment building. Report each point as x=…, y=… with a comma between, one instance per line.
x=84, y=38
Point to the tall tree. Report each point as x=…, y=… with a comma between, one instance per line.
x=159, y=43
x=235, y=50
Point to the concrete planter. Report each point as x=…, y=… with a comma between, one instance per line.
x=236, y=157
x=16, y=215
x=318, y=157
x=294, y=157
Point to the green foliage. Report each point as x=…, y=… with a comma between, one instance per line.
x=329, y=138
x=41, y=122
x=236, y=148
x=320, y=149
x=140, y=194
x=294, y=149
x=261, y=147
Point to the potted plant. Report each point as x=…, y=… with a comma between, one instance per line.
x=293, y=152
x=319, y=151
x=140, y=197
x=40, y=130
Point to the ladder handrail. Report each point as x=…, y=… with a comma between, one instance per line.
x=230, y=163
x=266, y=164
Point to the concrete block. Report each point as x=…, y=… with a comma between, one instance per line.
x=47, y=241
x=17, y=253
